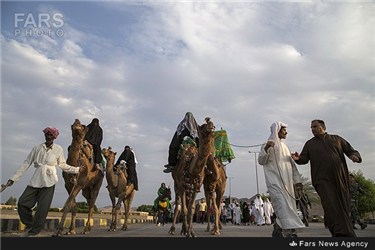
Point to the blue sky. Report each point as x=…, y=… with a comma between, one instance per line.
x=140, y=66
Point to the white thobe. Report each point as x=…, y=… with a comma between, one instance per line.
x=258, y=203
x=281, y=173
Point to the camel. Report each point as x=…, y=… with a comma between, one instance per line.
x=118, y=188
x=214, y=189
x=181, y=186
x=162, y=210
x=189, y=174
x=89, y=181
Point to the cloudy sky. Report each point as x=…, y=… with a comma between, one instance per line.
x=140, y=66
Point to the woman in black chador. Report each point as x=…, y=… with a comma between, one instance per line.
x=95, y=137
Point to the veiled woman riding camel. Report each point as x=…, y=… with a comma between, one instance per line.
x=187, y=127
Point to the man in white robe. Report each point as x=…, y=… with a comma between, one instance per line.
x=281, y=174
x=259, y=218
x=237, y=214
x=268, y=211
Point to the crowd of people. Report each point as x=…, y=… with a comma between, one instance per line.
x=238, y=212
x=325, y=153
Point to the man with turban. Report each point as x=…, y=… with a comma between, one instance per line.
x=45, y=158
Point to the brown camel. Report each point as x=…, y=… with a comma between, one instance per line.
x=118, y=188
x=214, y=188
x=89, y=181
x=189, y=174
x=181, y=186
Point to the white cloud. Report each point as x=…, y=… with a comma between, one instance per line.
x=141, y=68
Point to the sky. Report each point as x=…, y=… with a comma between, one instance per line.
x=139, y=66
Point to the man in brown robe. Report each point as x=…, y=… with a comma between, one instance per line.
x=330, y=176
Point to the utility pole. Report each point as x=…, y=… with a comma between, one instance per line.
x=230, y=189
x=256, y=169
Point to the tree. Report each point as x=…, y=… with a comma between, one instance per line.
x=83, y=207
x=310, y=191
x=145, y=208
x=366, y=200
x=11, y=201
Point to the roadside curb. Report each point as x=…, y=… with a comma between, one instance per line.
x=9, y=225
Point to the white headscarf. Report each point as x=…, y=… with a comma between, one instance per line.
x=258, y=201
x=275, y=128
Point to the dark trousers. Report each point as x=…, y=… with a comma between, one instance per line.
x=42, y=197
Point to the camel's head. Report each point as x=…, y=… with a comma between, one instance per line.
x=108, y=153
x=207, y=129
x=78, y=130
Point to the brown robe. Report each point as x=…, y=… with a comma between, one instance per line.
x=330, y=178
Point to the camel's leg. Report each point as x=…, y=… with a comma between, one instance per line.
x=112, y=227
x=172, y=230
x=208, y=200
x=165, y=216
x=87, y=228
x=191, y=203
x=215, y=201
x=121, y=199
x=219, y=198
x=184, y=213
x=116, y=211
x=66, y=209
x=126, y=213
x=73, y=211
x=160, y=216
x=127, y=204
x=91, y=197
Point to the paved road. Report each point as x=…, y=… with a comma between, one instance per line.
x=229, y=230
x=146, y=235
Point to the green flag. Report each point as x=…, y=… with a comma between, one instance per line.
x=223, y=151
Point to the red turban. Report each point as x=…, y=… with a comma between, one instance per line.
x=52, y=130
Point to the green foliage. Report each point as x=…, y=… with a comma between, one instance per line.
x=310, y=191
x=83, y=210
x=145, y=208
x=54, y=209
x=366, y=200
x=11, y=201
x=83, y=207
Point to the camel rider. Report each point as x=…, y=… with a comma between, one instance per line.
x=128, y=158
x=161, y=192
x=94, y=136
x=187, y=130
x=187, y=127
